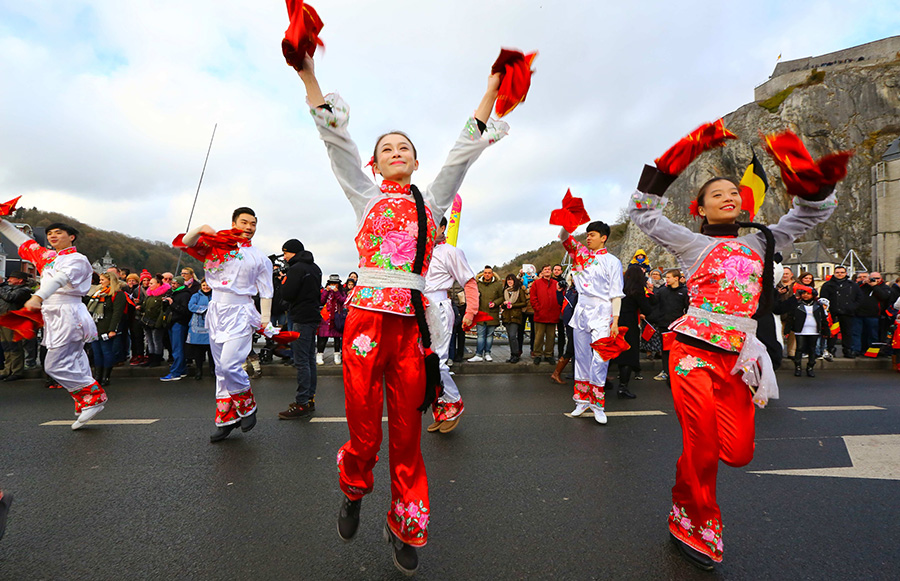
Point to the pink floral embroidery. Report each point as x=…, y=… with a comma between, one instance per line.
x=412, y=520
x=738, y=268
x=708, y=535
x=686, y=523
x=400, y=247
x=382, y=225
x=363, y=344
x=690, y=363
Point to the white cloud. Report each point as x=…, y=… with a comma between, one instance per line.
x=108, y=105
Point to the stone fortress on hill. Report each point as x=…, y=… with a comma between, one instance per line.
x=848, y=99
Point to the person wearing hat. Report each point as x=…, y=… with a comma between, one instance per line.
x=597, y=275
x=332, y=298
x=13, y=294
x=448, y=265
x=236, y=275
x=65, y=279
x=178, y=319
x=300, y=289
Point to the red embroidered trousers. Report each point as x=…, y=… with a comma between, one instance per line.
x=716, y=415
x=383, y=359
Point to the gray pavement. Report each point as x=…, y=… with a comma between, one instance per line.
x=518, y=491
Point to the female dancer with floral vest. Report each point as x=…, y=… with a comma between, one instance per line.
x=717, y=356
x=395, y=238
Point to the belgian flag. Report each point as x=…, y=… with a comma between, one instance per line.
x=754, y=185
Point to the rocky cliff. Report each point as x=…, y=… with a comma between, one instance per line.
x=854, y=108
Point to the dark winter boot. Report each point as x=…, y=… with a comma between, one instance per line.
x=797, y=371
x=624, y=378
x=809, y=368
x=106, y=373
x=199, y=374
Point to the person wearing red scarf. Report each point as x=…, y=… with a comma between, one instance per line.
x=383, y=356
x=65, y=279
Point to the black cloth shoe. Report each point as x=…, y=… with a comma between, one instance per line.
x=222, y=432
x=248, y=422
x=692, y=555
x=297, y=411
x=348, y=519
x=405, y=557
x=514, y=359
x=797, y=371
x=809, y=371
x=624, y=393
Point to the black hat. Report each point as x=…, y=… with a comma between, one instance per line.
x=293, y=245
x=18, y=274
x=334, y=278
x=60, y=226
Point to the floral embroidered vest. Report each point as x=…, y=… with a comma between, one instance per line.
x=387, y=240
x=582, y=256
x=728, y=281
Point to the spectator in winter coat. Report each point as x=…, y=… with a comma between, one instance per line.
x=153, y=310
x=640, y=258
x=672, y=302
x=490, y=295
x=809, y=323
x=332, y=325
x=198, y=335
x=302, y=291
x=107, y=308
x=843, y=299
x=560, y=297
x=178, y=318
x=569, y=302
x=13, y=294
x=546, y=314
x=875, y=298
x=511, y=314
x=635, y=303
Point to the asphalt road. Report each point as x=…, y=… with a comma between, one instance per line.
x=518, y=491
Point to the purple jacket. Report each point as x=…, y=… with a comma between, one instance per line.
x=333, y=302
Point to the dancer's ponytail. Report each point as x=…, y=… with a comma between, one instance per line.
x=767, y=297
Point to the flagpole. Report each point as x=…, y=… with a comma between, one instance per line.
x=197, y=194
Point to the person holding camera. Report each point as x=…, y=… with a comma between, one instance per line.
x=332, y=325
x=300, y=289
x=13, y=295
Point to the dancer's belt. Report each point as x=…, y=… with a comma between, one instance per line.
x=61, y=299
x=437, y=296
x=742, y=324
x=227, y=298
x=589, y=301
x=383, y=278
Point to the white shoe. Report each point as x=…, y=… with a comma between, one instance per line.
x=598, y=414
x=319, y=359
x=487, y=357
x=337, y=358
x=449, y=363
x=85, y=416
x=662, y=376
x=579, y=409
x=476, y=359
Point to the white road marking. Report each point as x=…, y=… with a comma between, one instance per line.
x=103, y=422
x=335, y=420
x=874, y=457
x=836, y=408
x=621, y=414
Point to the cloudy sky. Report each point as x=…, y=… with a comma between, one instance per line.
x=107, y=106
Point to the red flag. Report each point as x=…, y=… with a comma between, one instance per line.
x=571, y=215
x=802, y=176
x=668, y=340
x=609, y=348
x=23, y=323
x=515, y=68
x=211, y=246
x=679, y=156
x=302, y=36
x=286, y=337
x=9, y=207
x=648, y=332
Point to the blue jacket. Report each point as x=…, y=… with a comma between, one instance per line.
x=198, y=334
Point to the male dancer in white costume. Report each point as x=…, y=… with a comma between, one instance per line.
x=597, y=275
x=448, y=264
x=235, y=278
x=65, y=279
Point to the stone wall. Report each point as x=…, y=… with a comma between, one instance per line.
x=886, y=218
x=793, y=72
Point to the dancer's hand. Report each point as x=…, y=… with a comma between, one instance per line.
x=494, y=83
x=308, y=75
x=467, y=322
x=309, y=68
x=483, y=112
x=614, y=327
x=34, y=303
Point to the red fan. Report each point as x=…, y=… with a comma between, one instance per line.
x=9, y=207
x=302, y=36
x=609, y=348
x=23, y=323
x=802, y=176
x=679, y=156
x=515, y=68
x=211, y=246
x=286, y=337
x=571, y=215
